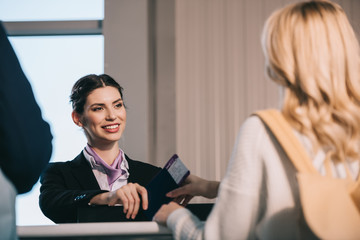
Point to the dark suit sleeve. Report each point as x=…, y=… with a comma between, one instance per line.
x=61, y=194
x=25, y=137
x=66, y=186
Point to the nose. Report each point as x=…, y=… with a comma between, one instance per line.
x=110, y=115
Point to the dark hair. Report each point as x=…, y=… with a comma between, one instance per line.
x=85, y=85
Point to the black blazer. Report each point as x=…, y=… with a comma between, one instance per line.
x=65, y=186
x=25, y=138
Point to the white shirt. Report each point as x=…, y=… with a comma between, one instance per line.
x=258, y=197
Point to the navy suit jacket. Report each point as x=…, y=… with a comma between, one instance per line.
x=25, y=138
x=66, y=186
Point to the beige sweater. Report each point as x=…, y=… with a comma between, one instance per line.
x=258, y=197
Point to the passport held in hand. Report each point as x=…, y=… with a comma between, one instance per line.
x=169, y=178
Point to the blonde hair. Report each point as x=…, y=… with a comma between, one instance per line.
x=311, y=50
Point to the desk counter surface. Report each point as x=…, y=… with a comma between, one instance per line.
x=71, y=230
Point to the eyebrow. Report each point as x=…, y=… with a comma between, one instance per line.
x=102, y=104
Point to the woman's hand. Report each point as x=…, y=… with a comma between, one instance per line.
x=194, y=186
x=163, y=213
x=128, y=195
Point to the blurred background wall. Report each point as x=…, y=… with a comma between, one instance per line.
x=204, y=75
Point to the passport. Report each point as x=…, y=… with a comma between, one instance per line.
x=169, y=178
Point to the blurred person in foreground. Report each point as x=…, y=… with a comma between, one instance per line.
x=25, y=137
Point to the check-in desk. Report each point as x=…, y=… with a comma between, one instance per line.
x=106, y=223
x=105, y=230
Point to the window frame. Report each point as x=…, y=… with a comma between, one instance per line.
x=53, y=28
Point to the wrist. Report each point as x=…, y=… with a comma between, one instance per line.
x=100, y=199
x=212, y=189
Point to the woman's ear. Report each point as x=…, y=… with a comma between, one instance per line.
x=76, y=118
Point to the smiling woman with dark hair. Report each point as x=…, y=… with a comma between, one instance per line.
x=102, y=174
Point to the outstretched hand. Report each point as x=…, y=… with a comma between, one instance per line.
x=194, y=186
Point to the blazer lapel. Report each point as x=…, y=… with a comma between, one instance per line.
x=133, y=177
x=82, y=171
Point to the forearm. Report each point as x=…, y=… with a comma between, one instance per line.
x=61, y=205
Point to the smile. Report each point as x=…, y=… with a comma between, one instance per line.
x=111, y=126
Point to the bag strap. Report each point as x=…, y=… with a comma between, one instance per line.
x=281, y=129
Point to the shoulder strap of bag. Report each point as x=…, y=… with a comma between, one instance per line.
x=281, y=129
x=331, y=206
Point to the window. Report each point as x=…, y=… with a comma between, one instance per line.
x=45, y=10
x=52, y=65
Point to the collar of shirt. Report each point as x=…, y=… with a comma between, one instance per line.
x=108, y=177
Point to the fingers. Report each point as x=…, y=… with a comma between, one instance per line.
x=133, y=206
x=128, y=195
x=190, y=187
x=178, y=192
x=144, y=196
x=129, y=202
x=183, y=200
x=179, y=199
x=136, y=191
x=186, y=200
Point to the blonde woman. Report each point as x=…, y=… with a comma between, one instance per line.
x=311, y=51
